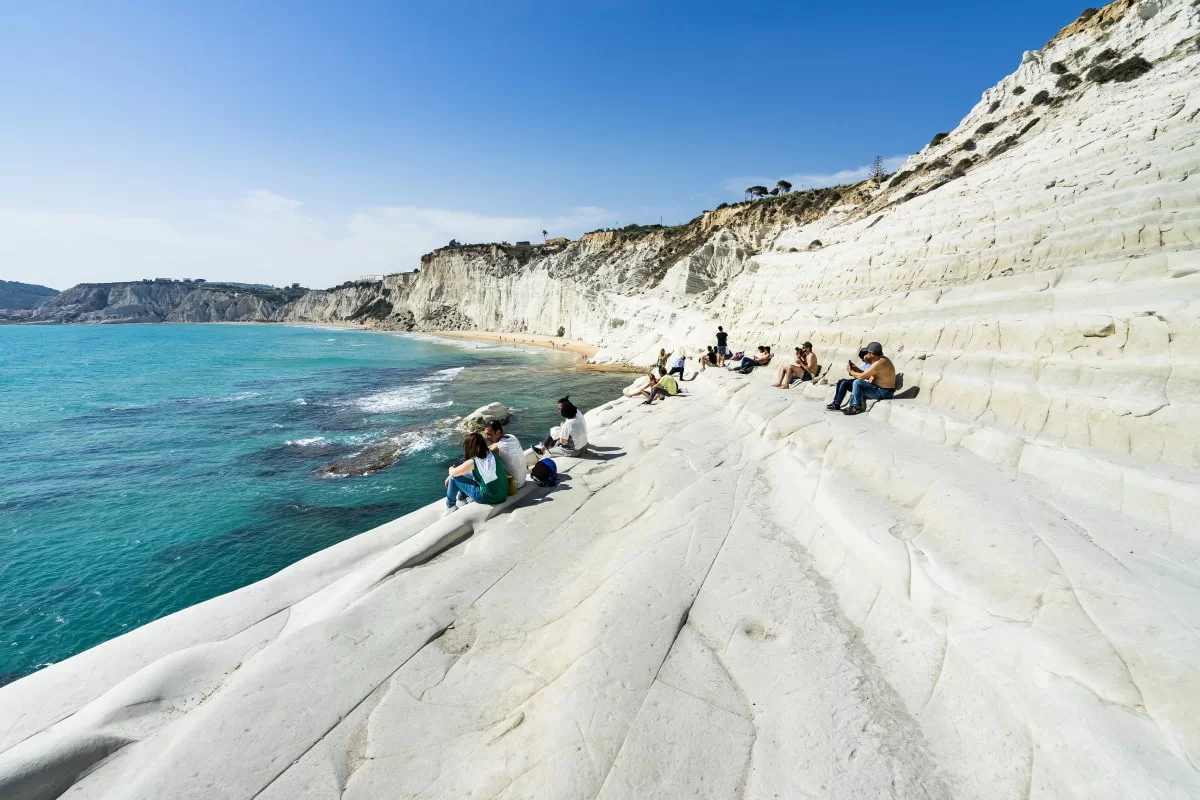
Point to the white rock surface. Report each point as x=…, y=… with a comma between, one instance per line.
x=987, y=591
x=742, y=595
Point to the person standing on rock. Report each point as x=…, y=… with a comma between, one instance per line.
x=569, y=438
x=722, y=346
x=508, y=448
x=480, y=477
x=677, y=366
x=876, y=382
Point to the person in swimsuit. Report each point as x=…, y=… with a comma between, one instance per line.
x=806, y=368
x=747, y=363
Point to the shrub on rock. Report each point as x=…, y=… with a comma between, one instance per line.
x=1127, y=70
x=1042, y=98
x=1068, y=81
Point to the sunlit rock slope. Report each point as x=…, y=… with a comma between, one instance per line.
x=988, y=590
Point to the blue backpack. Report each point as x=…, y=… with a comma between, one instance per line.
x=545, y=472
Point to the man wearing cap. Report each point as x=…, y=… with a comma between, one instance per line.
x=876, y=382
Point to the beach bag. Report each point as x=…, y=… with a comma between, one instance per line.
x=545, y=472
x=739, y=355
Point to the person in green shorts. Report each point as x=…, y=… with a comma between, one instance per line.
x=481, y=477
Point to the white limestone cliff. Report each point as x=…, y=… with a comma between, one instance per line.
x=988, y=590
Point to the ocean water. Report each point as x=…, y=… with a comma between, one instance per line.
x=150, y=467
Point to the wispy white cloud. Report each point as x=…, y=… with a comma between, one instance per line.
x=817, y=180
x=262, y=238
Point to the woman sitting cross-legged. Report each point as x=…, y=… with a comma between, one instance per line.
x=481, y=477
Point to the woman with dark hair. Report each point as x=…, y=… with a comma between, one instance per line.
x=480, y=477
x=569, y=438
x=747, y=363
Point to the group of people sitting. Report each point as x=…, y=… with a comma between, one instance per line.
x=494, y=463
x=738, y=362
x=661, y=385
x=872, y=378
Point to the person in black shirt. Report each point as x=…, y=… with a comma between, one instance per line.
x=722, y=346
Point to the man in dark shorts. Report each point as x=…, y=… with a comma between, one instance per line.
x=722, y=346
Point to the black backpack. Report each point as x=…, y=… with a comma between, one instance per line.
x=545, y=472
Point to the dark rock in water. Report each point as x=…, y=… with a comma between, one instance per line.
x=372, y=458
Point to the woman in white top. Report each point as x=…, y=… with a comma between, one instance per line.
x=569, y=438
x=481, y=477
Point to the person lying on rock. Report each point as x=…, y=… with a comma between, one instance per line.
x=665, y=387
x=481, y=477
x=805, y=368
x=569, y=438
x=747, y=363
x=876, y=382
x=508, y=449
x=677, y=365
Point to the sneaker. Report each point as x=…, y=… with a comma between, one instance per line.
x=852, y=410
x=537, y=448
x=448, y=510
x=834, y=407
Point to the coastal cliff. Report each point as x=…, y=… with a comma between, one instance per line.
x=986, y=589
x=164, y=301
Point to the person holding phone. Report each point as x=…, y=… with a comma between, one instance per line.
x=876, y=382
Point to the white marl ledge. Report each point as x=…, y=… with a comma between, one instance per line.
x=988, y=591
x=741, y=594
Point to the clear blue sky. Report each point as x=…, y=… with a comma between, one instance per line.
x=314, y=142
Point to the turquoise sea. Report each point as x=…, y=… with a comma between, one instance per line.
x=150, y=467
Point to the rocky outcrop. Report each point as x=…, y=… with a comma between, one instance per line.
x=477, y=419
x=164, y=301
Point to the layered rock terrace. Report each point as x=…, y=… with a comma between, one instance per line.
x=988, y=590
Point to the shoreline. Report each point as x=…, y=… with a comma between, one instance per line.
x=580, y=348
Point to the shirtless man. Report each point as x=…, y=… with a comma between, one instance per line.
x=876, y=382
x=804, y=369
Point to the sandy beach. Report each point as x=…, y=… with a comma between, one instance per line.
x=584, y=350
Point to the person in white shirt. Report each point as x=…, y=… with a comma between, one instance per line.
x=569, y=438
x=508, y=448
x=677, y=366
